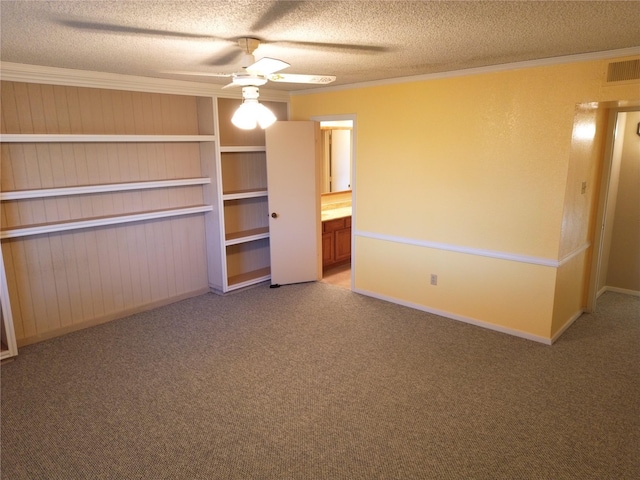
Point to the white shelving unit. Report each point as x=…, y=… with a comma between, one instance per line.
x=8, y=346
x=52, y=227
x=33, y=212
x=242, y=202
x=224, y=183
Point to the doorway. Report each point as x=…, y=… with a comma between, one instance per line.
x=337, y=198
x=613, y=266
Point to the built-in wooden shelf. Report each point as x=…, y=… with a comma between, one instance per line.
x=105, y=157
x=249, y=278
x=240, y=194
x=111, y=187
x=243, y=148
x=80, y=138
x=27, y=230
x=246, y=236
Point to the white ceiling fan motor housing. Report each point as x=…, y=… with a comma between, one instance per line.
x=248, y=46
x=249, y=80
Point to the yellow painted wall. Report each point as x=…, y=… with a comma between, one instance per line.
x=570, y=291
x=467, y=285
x=579, y=214
x=585, y=163
x=477, y=162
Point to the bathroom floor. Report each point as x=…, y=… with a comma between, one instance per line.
x=340, y=276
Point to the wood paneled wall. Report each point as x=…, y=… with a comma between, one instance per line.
x=244, y=171
x=62, y=281
x=33, y=166
x=34, y=108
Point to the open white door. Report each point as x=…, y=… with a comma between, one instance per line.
x=293, y=181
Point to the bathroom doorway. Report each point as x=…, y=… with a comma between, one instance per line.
x=337, y=198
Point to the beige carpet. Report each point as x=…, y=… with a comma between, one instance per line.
x=313, y=381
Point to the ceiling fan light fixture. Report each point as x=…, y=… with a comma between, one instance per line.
x=252, y=113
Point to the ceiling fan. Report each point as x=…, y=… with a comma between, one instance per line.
x=257, y=73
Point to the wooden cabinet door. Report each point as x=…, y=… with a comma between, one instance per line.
x=342, y=244
x=327, y=249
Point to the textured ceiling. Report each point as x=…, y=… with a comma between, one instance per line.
x=355, y=40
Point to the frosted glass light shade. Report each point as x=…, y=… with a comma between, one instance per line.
x=252, y=113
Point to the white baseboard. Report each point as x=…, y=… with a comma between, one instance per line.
x=566, y=325
x=635, y=293
x=460, y=318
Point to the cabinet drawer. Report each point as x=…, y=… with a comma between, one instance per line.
x=333, y=225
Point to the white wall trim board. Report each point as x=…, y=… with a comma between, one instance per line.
x=583, y=57
x=19, y=72
x=460, y=318
x=625, y=291
x=512, y=257
x=567, y=325
x=573, y=254
x=79, y=138
x=100, y=222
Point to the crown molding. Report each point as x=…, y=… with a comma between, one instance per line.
x=582, y=57
x=20, y=72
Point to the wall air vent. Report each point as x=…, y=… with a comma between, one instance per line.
x=623, y=71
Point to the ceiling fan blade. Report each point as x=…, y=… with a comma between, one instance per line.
x=266, y=66
x=336, y=47
x=276, y=11
x=198, y=74
x=229, y=56
x=294, y=78
x=113, y=28
x=230, y=85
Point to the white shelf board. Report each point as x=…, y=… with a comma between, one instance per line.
x=244, y=194
x=25, y=231
x=110, y=187
x=237, y=149
x=76, y=138
x=248, y=238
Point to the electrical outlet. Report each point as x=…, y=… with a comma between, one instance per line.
x=434, y=279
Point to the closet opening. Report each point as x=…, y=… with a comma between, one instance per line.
x=616, y=253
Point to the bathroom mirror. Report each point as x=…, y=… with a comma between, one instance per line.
x=336, y=155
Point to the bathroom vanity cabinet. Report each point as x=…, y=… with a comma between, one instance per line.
x=336, y=242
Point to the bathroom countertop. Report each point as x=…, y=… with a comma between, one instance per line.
x=334, y=213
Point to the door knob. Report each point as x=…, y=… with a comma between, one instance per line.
x=274, y=215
